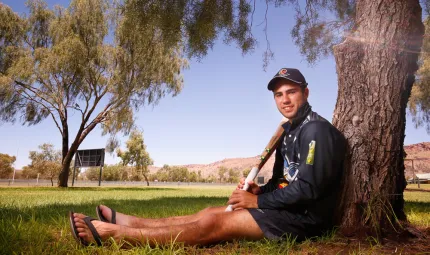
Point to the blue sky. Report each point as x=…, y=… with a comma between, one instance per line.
x=224, y=110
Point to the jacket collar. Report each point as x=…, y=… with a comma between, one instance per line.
x=302, y=113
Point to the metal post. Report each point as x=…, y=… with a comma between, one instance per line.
x=73, y=177
x=14, y=168
x=100, y=176
x=102, y=161
x=413, y=172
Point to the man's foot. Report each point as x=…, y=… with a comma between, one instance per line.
x=105, y=230
x=120, y=218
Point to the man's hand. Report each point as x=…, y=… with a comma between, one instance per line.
x=253, y=187
x=241, y=199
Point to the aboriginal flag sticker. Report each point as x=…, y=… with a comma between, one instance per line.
x=311, y=153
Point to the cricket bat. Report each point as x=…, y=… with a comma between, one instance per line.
x=270, y=148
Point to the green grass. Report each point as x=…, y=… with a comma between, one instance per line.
x=34, y=220
x=417, y=208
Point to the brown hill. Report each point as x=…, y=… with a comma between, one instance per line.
x=420, y=152
x=238, y=164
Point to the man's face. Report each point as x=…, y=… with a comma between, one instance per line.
x=289, y=97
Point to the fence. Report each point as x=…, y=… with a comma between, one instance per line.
x=47, y=183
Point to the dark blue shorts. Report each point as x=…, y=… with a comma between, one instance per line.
x=279, y=224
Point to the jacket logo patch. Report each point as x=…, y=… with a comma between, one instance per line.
x=311, y=153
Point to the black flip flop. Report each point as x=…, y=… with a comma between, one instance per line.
x=103, y=218
x=90, y=225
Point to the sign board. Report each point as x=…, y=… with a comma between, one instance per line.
x=260, y=179
x=89, y=158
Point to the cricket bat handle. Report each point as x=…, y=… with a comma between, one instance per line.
x=251, y=176
x=271, y=146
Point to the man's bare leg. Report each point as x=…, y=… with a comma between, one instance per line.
x=210, y=228
x=137, y=222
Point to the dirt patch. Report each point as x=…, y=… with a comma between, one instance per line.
x=351, y=246
x=335, y=245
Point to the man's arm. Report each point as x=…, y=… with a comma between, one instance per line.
x=278, y=169
x=248, y=199
x=317, y=173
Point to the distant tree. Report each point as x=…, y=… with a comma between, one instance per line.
x=126, y=173
x=199, y=176
x=90, y=58
x=163, y=173
x=19, y=175
x=174, y=174
x=29, y=172
x=193, y=177
x=211, y=178
x=152, y=177
x=46, y=162
x=222, y=170
x=135, y=174
x=92, y=173
x=136, y=154
x=245, y=172
x=178, y=173
x=113, y=172
x=233, y=175
x=6, y=162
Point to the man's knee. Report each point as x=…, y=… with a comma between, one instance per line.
x=210, y=228
x=214, y=227
x=212, y=209
x=208, y=222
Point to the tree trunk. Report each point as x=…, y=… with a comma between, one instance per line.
x=65, y=165
x=64, y=174
x=146, y=179
x=375, y=67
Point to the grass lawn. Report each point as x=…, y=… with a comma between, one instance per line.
x=34, y=221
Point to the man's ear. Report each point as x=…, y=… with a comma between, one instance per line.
x=306, y=93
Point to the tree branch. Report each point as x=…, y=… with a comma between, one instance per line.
x=28, y=97
x=35, y=91
x=101, y=116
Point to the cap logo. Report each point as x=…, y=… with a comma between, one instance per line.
x=283, y=71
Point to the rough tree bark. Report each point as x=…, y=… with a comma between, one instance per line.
x=65, y=164
x=375, y=67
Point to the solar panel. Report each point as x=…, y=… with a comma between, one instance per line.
x=88, y=158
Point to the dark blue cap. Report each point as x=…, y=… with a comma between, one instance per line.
x=290, y=74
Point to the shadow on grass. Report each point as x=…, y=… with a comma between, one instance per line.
x=417, y=206
x=45, y=229
x=158, y=207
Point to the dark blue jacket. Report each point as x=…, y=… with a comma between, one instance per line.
x=310, y=157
